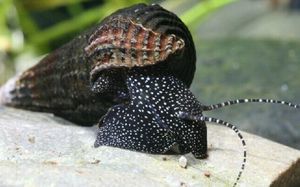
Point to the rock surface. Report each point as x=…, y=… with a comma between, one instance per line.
x=38, y=149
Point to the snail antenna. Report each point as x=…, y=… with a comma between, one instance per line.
x=239, y=101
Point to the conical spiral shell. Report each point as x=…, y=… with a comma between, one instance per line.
x=60, y=82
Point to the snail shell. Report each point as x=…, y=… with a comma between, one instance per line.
x=61, y=82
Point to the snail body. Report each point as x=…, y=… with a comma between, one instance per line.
x=149, y=121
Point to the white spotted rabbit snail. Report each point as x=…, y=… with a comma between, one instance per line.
x=139, y=61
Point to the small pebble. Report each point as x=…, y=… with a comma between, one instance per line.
x=207, y=174
x=31, y=139
x=50, y=162
x=183, y=162
x=95, y=162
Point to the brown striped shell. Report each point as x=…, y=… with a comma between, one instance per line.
x=139, y=36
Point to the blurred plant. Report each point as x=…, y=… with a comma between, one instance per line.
x=4, y=32
x=8, y=26
x=197, y=13
x=11, y=38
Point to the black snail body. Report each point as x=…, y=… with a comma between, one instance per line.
x=148, y=121
x=161, y=115
x=138, y=64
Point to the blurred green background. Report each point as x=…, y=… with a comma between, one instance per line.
x=245, y=49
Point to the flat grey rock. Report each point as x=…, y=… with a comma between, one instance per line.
x=39, y=149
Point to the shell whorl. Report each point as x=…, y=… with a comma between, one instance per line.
x=143, y=35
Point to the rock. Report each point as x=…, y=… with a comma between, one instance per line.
x=39, y=149
x=290, y=177
x=182, y=162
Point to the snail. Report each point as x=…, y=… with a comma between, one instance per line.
x=132, y=71
x=71, y=82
